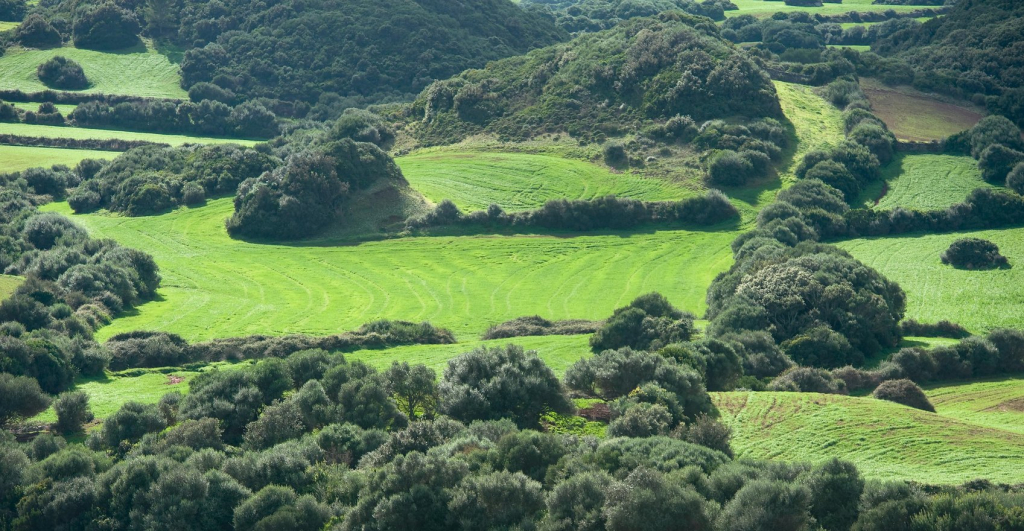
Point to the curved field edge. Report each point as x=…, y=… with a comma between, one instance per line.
x=978, y=300
x=214, y=286
x=995, y=403
x=924, y=182
x=884, y=439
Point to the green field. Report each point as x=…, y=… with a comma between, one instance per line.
x=925, y=182
x=884, y=439
x=8, y=284
x=995, y=403
x=17, y=158
x=83, y=133
x=847, y=25
x=914, y=115
x=515, y=181
x=214, y=286
x=34, y=107
x=979, y=300
x=858, y=47
x=137, y=72
x=763, y=8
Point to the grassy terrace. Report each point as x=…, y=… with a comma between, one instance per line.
x=763, y=8
x=17, y=158
x=924, y=182
x=82, y=133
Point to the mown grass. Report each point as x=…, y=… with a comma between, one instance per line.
x=138, y=71
x=924, y=182
x=848, y=25
x=994, y=403
x=762, y=8
x=83, y=133
x=9, y=283
x=34, y=106
x=914, y=115
x=214, y=286
x=518, y=181
x=978, y=300
x=17, y=158
x=884, y=439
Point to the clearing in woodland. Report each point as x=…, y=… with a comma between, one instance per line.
x=914, y=115
x=17, y=158
x=924, y=182
x=83, y=133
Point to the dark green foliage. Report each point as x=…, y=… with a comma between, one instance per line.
x=528, y=452
x=363, y=126
x=577, y=503
x=808, y=380
x=208, y=91
x=501, y=382
x=309, y=191
x=709, y=433
x=877, y=139
x=904, y=392
x=730, y=168
x=647, y=501
x=615, y=154
x=12, y=10
x=766, y=505
x=105, y=27
x=642, y=420
x=716, y=361
x=649, y=322
x=837, y=176
x=538, y=326
x=1015, y=179
x=36, y=32
x=130, y=423
x=366, y=403
x=595, y=15
x=62, y=73
x=278, y=507
x=250, y=119
x=821, y=347
x=997, y=161
x=72, y=409
x=943, y=328
x=500, y=500
x=642, y=72
x=348, y=443
x=413, y=387
x=22, y=398
x=835, y=487
x=196, y=434
x=973, y=253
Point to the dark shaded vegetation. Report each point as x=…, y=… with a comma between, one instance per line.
x=639, y=74
x=62, y=73
x=207, y=117
x=13, y=10
x=579, y=215
x=111, y=144
x=36, y=32
x=911, y=327
x=105, y=26
x=974, y=253
x=538, y=326
x=577, y=16
x=903, y=392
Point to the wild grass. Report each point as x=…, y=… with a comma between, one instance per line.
x=762, y=8
x=83, y=133
x=140, y=71
x=995, y=403
x=517, y=181
x=17, y=158
x=914, y=115
x=924, y=182
x=214, y=286
x=9, y=283
x=978, y=300
x=884, y=439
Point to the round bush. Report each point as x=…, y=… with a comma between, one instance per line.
x=1015, y=180
x=106, y=27
x=12, y=10
x=904, y=392
x=36, y=32
x=973, y=253
x=62, y=73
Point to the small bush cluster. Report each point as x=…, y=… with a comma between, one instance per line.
x=538, y=326
x=973, y=253
x=62, y=73
x=904, y=392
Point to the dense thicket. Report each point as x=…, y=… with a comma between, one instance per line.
x=13, y=10
x=976, y=52
x=595, y=15
x=62, y=73
x=640, y=73
x=206, y=117
x=538, y=326
x=973, y=253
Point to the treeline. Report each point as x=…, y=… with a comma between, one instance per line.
x=637, y=75
x=207, y=117
x=316, y=441
x=577, y=16
x=604, y=213
x=105, y=144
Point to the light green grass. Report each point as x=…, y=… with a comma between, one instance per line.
x=848, y=25
x=214, y=286
x=858, y=47
x=9, y=283
x=82, y=133
x=7, y=26
x=884, y=439
x=994, y=403
x=17, y=158
x=762, y=8
x=558, y=352
x=34, y=107
x=925, y=182
x=978, y=300
x=139, y=72
x=516, y=181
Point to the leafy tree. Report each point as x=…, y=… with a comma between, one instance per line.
x=647, y=500
x=278, y=507
x=767, y=505
x=414, y=388
x=642, y=420
x=363, y=126
x=501, y=382
x=499, y=500
x=835, y=488
x=577, y=503
x=808, y=380
x=649, y=322
x=130, y=423
x=62, y=73
x=36, y=32
x=73, y=411
x=12, y=10
x=105, y=27
x=973, y=253
x=1015, y=179
x=529, y=452
x=365, y=402
x=997, y=161
x=709, y=433
x=22, y=398
x=276, y=424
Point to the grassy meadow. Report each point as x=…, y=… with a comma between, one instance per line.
x=517, y=181
x=978, y=300
x=214, y=286
x=17, y=158
x=9, y=283
x=763, y=8
x=83, y=133
x=884, y=439
x=914, y=115
x=140, y=71
x=995, y=403
x=924, y=182
x=34, y=106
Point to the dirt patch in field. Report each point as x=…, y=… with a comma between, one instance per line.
x=599, y=412
x=174, y=380
x=916, y=116
x=1017, y=404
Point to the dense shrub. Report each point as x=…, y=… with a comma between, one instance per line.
x=363, y=126
x=36, y=32
x=72, y=409
x=12, y=10
x=62, y=73
x=943, y=328
x=538, y=326
x=808, y=380
x=105, y=27
x=904, y=392
x=22, y=398
x=648, y=323
x=973, y=253
x=1015, y=179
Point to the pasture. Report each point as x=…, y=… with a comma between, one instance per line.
x=214, y=286
x=762, y=8
x=914, y=115
x=138, y=71
x=34, y=106
x=83, y=133
x=884, y=439
x=978, y=300
x=516, y=181
x=17, y=158
x=9, y=283
x=994, y=403
x=925, y=182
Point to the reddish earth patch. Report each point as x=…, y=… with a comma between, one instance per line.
x=1017, y=404
x=174, y=380
x=598, y=412
x=917, y=116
